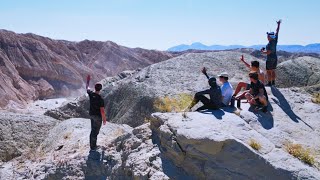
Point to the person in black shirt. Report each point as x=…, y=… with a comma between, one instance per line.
x=257, y=95
x=96, y=112
x=271, y=52
x=214, y=92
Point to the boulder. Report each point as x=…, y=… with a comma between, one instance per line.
x=299, y=72
x=20, y=133
x=215, y=145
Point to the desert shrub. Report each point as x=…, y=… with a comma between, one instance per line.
x=254, y=144
x=316, y=98
x=301, y=153
x=173, y=104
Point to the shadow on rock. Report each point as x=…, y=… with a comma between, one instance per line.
x=285, y=106
x=218, y=113
x=98, y=166
x=169, y=168
x=173, y=171
x=265, y=119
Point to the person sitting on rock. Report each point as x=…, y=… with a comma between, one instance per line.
x=96, y=112
x=257, y=95
x=255, y=67
x=226, y=89
x=214, y=92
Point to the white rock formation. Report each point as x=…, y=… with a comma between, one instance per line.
x=125, y=153
x=215, y=145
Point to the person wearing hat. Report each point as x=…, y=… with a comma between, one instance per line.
x=214, y=92
x=257, y=95
x=226, y=88
x=271, y=52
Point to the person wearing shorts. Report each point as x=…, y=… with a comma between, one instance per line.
x=271, y=52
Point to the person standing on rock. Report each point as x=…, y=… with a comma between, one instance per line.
x=255, y=67
x=96, y=112
x=214, y=92
x=271, y=52
x=257, y=95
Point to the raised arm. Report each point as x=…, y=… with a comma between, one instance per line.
x=204, y=71
x=278, y=27
x=88, y=81
x=245, y=63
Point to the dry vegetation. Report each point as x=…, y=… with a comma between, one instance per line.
x=254, y=144
x=301, y=153
x=316, y=98
x=173, y=104
x=67, y=135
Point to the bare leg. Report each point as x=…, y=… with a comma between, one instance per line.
x=263, y=100
x=239, y=87
x=242, y=96
x=273, y=75
x=269, y=73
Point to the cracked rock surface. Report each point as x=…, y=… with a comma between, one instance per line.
x=20, y=133
x=125, y=153
x=211, y=148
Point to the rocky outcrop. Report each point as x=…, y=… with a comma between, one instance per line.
x=43, y=88
x=125, y=153
x=195, y=145
x=80, y=106
x=215, y=145
x=299, y=72
x=19, y=133
x=131, y=100
x=200, y=142
x=27, y=61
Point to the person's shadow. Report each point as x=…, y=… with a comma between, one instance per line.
x=285, y=106
x=266, y=119
x=98, y=166
x=218, y=113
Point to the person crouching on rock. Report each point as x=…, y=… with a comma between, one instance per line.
x=96, y=112
x=257, y=95
x=214, y=92
x=255, y=66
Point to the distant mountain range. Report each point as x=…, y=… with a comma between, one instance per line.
x=310, y=48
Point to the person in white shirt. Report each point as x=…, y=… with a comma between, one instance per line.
x=226, y=89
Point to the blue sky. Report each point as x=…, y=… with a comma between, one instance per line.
x=164, y=23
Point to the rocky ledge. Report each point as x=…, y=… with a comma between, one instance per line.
x=210, y=147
